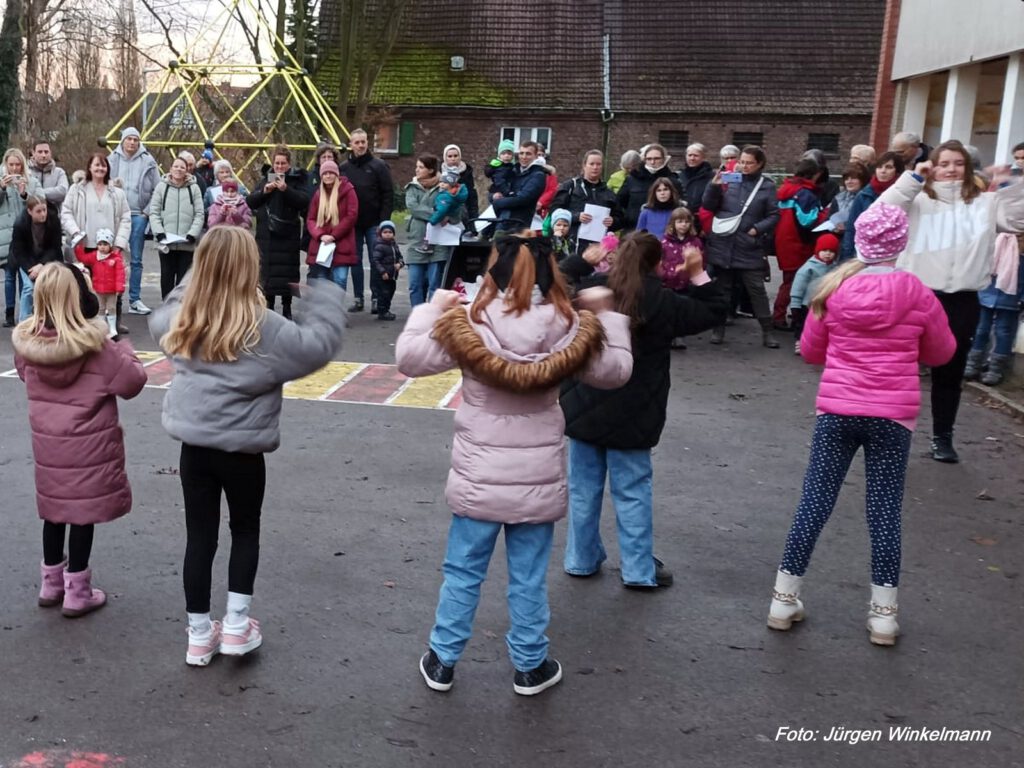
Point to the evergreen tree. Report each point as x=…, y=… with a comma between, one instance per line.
x=10, y=60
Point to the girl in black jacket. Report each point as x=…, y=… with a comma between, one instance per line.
x=612, y=431
x=36, y=239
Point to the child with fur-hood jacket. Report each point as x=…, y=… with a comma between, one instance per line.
x=515, y=344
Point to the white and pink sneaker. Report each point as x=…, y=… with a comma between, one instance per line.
x=200, y=651
x=238, y=643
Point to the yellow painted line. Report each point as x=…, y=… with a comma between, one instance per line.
x=427, y=392
x=149, y=357
x=318, y=384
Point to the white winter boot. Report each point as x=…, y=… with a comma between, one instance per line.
x=786, y=606
x=882, y=616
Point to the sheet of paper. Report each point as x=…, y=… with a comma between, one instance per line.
x=172, y=238
x=325, y=254
x=594, y=229
x=447, y=235
x=480, y=226
x=826, y=226
x=537, y=224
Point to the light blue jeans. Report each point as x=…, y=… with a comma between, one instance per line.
x=136, y=242
x=27, y=288
x=470, y=545
x=424, y=279
x=368, y=238
x=339, y=275
x=630, y=477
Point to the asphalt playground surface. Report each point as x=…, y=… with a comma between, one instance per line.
x=354, y=529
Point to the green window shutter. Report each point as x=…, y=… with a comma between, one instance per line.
x=406, y=136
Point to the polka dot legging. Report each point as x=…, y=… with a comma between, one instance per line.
x=886, y=450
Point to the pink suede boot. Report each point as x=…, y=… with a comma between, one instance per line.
x=51, y=584
x=79, y=596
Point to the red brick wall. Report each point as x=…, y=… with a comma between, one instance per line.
x=885, y=88
x=477, y=133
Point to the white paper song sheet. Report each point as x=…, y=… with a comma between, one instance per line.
x=594, y=229
x=325, y=254
x=488, y=214
x=450, y=234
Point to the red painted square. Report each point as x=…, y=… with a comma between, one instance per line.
x=160, y=373
x=374, y=384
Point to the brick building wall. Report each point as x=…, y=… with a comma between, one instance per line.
x=477, y=132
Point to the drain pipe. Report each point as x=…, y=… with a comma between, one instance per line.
x=606, y=112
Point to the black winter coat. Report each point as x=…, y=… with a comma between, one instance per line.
x=577, y=193
x=23, y=251
x=633, y=416
x=520, y=204
x=374, y=188
x=472, y=206
x=279, y=229
x=633, y=193
x=741, y=250
x=693, y=182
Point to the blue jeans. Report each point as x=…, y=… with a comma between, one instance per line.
x=27, y=288
x=1003, y=322
x=470, y=545
x=630, y=477
x=136, y=242
x=337, y=274
x=10, y=286
x=367, y=237
x=424, y=279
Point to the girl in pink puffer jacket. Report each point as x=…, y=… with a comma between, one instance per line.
x=515, y=344
x=871, y=326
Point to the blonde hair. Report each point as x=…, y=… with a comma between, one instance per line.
x=57, y=305
x=830, y=284
x=15, y=152
x=327, y=213
x=223, y=306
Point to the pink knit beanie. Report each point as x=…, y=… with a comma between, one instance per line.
x=881, y=233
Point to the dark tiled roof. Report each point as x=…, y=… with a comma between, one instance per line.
x=712, y=57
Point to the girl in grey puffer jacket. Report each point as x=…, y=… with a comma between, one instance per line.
x=231, y=359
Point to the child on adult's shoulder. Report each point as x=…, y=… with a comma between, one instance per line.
x=73, y=376
x=501, y=170
x=230, y=208
x=805, y=284
x=680, y=236
x=387, y=260
x=106, y=266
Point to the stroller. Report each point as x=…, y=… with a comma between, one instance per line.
x=469, y=258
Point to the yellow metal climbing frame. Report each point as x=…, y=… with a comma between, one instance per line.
x=184, y=82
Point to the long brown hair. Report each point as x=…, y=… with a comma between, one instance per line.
x=968, y=189
x=652, y=195
x=223, y=307
x=519, y=294
x=638, y=256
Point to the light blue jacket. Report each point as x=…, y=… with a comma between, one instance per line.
x=805, y=284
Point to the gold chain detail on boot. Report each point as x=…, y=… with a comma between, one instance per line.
x=789, y=598
x=883, y=610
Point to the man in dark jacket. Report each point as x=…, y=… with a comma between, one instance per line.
x=280, y=208
x=588, y=189
x=376, y=194
x=911, y=147
x=516, y=210
x=694, y=178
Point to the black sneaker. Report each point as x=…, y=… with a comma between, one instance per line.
x=662, y=576
x=537, y=680
x=385, y=316
x=437, y=676
x=373, y=306
x=357, y=306
x=943, y=450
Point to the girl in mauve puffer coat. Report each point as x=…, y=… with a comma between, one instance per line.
x=871, y=326
x=73, y=376
x=515, y=344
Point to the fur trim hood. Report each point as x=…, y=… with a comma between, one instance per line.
x=58, y=364
x=455, y=332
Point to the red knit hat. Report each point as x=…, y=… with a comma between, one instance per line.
x=827, y=242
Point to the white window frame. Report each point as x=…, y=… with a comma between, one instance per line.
x=519, y=134
x=389, y=150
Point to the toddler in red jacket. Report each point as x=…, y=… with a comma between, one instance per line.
x=106, y=265
x=871, y=326
x=73, y=376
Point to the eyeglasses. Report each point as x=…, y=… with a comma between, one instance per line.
x=652, y=157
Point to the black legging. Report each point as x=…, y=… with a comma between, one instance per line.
x=205, y=473
x=286, y=304
x=962, y=310
x=173, y=266
x=79, y=545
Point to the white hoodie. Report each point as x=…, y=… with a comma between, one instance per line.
x=951, y=244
